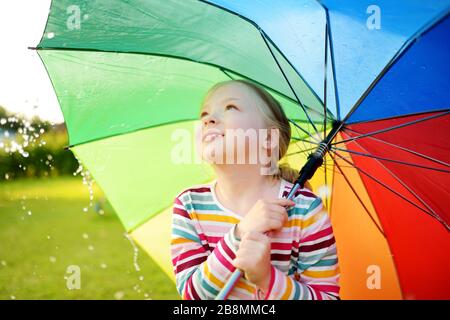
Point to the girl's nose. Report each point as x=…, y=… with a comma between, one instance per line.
x=209, y=119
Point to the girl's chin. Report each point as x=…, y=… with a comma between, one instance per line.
x=212, y=158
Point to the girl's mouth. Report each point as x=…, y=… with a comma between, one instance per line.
x=211, y=135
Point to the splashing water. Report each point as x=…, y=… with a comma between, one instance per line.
x=135, y=252
x=24, y=136
x=87, y=181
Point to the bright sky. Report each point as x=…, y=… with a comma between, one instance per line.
x=24, y=85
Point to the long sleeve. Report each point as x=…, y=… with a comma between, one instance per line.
x=200, y=273
x=317, y=262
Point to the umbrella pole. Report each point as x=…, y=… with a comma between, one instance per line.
x=314, y=161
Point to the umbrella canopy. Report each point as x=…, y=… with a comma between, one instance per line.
x=130, y=76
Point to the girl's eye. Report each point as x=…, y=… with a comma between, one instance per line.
x=230, y=106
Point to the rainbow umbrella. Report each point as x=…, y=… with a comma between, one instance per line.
x=130, y=76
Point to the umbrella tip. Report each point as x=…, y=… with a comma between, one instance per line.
x=32, y=48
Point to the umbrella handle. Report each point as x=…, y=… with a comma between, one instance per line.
x=229, y=285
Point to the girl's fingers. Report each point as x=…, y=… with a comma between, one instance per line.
x=277, y=208
x=283, y=202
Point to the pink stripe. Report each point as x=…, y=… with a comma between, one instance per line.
x=223, y=260
x=271, y=283
x=281, y=246
x=325, y=288
x=317, y=235
x=187, y=254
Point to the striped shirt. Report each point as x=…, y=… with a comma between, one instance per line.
x=304, y=263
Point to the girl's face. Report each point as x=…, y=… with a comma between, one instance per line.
x=230, y=125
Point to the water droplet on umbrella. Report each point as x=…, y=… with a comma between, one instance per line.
x=3, y=263
x=85, y=236
x=91, y=248
x=52, y=259
x=103, y=266
x=50, y=35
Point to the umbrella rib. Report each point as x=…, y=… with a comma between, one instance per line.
x=325, y=83
x=297, y=127
x=393, y=191
x=302, y=151
x=391, y=160
x=333, y=64
x=405, y=149
x=358, y=197
x=325, y=108
x=287, y=80
x=404, y=185
x=392, y=128
x=226, y=73
x=305, y=131
x=300, y=139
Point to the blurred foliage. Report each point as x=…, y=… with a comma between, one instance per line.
x=46, y=153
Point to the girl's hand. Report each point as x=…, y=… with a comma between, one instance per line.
x=253, y=257
x=264, y=216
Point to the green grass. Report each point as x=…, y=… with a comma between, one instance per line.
x=36, y=249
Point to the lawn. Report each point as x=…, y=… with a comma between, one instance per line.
x=45, y=228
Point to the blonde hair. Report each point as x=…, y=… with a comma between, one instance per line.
x=274, y=114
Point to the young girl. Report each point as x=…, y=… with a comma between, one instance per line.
x=285, y=248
